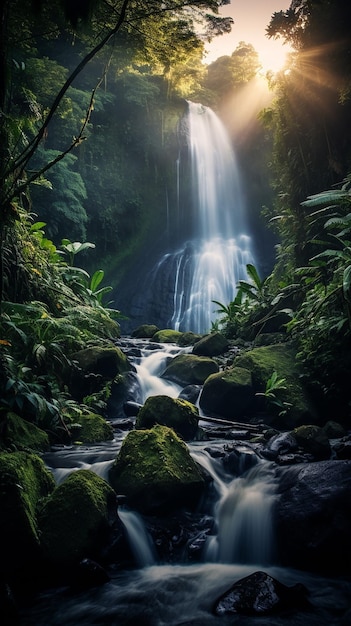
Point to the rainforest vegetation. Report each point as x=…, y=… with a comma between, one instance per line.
x=90, y=96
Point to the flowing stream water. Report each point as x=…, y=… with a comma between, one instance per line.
x=154, y=593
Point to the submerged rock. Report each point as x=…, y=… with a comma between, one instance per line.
x=259, y=594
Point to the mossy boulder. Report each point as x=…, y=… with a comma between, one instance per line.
x=22, y=435
x=156, y=472
x=107, y=362
x=228, y=394
x=175, y=413
x=188, y=339
x=74, y=521
x=211, y=345
x=24, y=483
x=168, y=335
x=262, y=362
x=145, y=331
x=93, y=428
x=189, y=369
x=314, y=440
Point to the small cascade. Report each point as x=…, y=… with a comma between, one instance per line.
x=139, y=540
x=149, y=369
x=244, y=520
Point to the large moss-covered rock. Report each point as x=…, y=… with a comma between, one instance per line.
x=189, y=369
x=167, y=335
x=211, y=345
x=104, y=361
x=24, y=483
x=228, y=394
x=262, y=362
x=74, y=521
x=156, y=472
x=93, y=428
x=175, y=413
x=22, y=435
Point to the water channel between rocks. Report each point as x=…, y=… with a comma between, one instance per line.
x=154, y=593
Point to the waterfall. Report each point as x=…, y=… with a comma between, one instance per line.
x=216, y=247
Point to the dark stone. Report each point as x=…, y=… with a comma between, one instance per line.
x=313, y=516
x=190, y=393
x=282, y=443
x=259, y=594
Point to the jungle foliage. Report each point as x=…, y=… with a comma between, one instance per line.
x=310, y=173
x=103, y=83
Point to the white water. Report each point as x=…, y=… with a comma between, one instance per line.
x=139, y=540
x=151, y=366
x=158, y=594
x=216, y=245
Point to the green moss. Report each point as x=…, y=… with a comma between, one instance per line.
x=262, y=362
x=190, y=369
x=175, y=413
x=74, y=516
x=106, y=361
x=168, y=335
x=154, y=466
x=94, y=428
x=24, y=435
x=24, y=484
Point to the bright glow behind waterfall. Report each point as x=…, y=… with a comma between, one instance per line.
x=209, y=266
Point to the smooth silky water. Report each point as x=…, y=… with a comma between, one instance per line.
x=215, y=244
x=159, y=594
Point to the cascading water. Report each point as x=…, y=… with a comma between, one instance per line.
x=209, y=264
x=158, y=593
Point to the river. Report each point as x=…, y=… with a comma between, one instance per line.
x=156, y=593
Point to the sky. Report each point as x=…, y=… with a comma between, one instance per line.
x=251, y=18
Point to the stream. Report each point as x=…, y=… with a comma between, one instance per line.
x=154, y=593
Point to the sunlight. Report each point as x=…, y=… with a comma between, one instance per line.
x=273, y=56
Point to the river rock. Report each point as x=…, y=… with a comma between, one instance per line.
x=189, y=369
x=228, y=394
x=103, y=361
x=156, y=472
x=24, y=484
x=313, y=516
x=145, y=331
x=167, y=335
x=313, y=440
x=211, y=345
x=175, y=413
x=259, y=594
x=75, y=519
